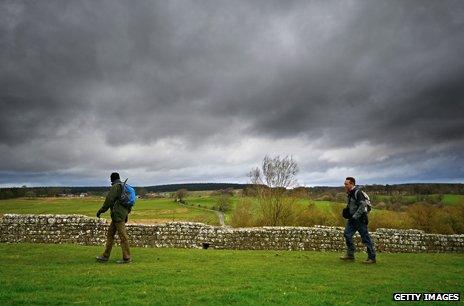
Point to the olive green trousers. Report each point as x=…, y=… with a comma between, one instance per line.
x=120, y=228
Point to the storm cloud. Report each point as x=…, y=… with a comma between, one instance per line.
x=200, y=91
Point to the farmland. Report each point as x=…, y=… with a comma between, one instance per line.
x=443, y=217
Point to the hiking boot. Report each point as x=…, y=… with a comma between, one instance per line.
x=369, y=261
x=102, y=259
x=124, y=261
x=347, y=257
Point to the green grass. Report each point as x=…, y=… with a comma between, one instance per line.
x=161, y=209
x=325, y=205
x=448, y=199
x=146, y=210
x=453, y=199
x=204, y=202
x=67, y=274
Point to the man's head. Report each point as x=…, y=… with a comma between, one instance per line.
x=349, y=183
x=114, y=176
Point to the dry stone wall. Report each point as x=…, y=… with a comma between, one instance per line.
x=91, y=231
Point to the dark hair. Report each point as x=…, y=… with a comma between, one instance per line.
x=114, y=176
x=351, y=179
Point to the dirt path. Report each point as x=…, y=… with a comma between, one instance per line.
x=219, y=214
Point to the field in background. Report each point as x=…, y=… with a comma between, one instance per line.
x=145, y=211
x=156, y=210
x=68, y=274
x=453, y=199
x=199, y=207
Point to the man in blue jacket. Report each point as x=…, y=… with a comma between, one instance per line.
x=357, y=222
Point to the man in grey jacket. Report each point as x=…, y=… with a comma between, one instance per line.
x=357, y=222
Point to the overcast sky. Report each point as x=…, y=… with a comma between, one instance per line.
x=200, y=91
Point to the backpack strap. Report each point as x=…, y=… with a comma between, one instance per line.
x=356, y=194
x=123, y=185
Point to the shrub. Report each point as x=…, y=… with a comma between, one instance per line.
x=311, y=216
x=433, y=219
x=456, y=219
x=380, y=205
x=180, y=195
x=441, y=222
x=224, y=202
x=277, y=210
x=300, y=192
x=336, y=211
x=243, y=215
x=340, y=197
x=421, y=216
x=249, y=192
x=389, y=219
x=326, y=197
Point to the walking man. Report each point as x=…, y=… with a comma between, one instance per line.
x=356, y=213
x=119, y=214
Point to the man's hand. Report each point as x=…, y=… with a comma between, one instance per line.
x=98, y=214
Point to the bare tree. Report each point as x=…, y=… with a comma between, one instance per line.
x=271, y=182
x=275, y=172
x=180, y=195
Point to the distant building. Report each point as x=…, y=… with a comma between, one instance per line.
x=157, y=195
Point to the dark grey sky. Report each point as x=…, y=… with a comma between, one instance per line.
x=200, y=91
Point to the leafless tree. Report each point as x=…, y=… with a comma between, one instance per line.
x=271, y=182
x=275, y=172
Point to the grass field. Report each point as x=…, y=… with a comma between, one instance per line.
x=58, y=274
x=146, y=210
x=198, y=209
x=448, y=199
x=453, y=199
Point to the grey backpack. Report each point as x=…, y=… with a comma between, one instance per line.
x=367, y=200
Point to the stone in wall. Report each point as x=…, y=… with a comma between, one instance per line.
x=84, y=230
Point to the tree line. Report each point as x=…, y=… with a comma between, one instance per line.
x=24, y=191
x=311, y=192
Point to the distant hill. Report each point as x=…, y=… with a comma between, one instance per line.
x=194, y=187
